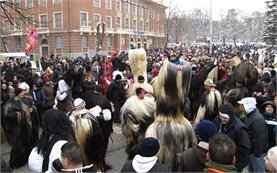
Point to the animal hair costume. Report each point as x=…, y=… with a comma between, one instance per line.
x=210, y=104
x=19, y=128
x=92, y=99
x=137, y=113
x=173, y=131
x=88, y=134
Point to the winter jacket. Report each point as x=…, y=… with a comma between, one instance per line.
x=48, y=96
x=193, y=160
x=116, y=92
x=257, y=132
x=271, y=121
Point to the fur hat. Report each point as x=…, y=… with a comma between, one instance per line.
x=272, y=157
x=78, y=103
x=209, y=82
x=149, y=147
x=205, y=130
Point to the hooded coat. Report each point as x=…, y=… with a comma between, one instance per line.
x=237, y=131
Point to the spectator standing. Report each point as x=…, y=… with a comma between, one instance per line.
x=221, y=155
x=48, y=94
x=257, y=132
x=194, y=159
x=146, y=161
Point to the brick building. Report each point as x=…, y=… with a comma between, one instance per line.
x=68, y=27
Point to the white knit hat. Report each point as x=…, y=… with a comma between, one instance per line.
x=272, y=157
x=78, y=103
x=24, y=86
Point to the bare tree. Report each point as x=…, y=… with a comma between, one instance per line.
x=172, y=10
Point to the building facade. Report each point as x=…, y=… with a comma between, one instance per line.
x=68, y=27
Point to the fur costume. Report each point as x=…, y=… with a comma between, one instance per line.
x=88, y=135
x=210, y=104
x=64, y=97
x=171, y=128
x=137, y=114
x=19, y=128
x=93, y=98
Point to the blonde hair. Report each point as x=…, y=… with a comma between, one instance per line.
x=89, y=77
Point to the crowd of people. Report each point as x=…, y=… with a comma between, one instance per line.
x=183, y=109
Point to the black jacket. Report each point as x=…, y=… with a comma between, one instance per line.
x=257, y=132
x=116, y=92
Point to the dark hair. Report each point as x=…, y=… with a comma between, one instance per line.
x=55, y=125
x=73, y=152
x=222, y=149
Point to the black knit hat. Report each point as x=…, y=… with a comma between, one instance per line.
x=205, y=130
x=118, y=77
x=140, y=78
x=149, y=147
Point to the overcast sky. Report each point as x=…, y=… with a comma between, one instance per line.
x=219, y=6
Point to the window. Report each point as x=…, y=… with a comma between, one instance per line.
x=157, y=29
x=84, y=19
x=108, y=20
x=108, y=4
x=127, y=21
x=97, y=19
x=134, y=10
x=84, y=41
x=147, y=14
x=157, y=16
x=118, y=22
x=152, y=15
x=17, y=24
x=18, y=43
x=17, y=3
x=146, y=26
x=162, y=29
x=152, y=28
x=42, y=3
x=58, y=20
x=140, y=25
x=126, y=8
x=43, y=21
x=108, y=42
x=29, y=21
x=117, y=6
x=29, y=3
x=96, y=3
x=141, y=12
x=134, y=24
x=59, y=42
x=57, y=1
x=7, y=26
